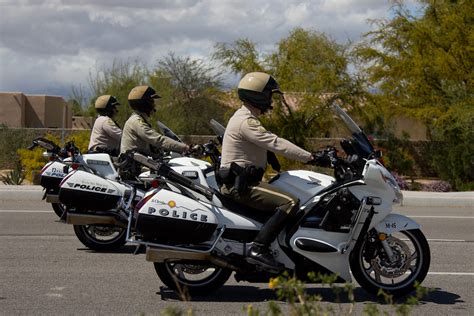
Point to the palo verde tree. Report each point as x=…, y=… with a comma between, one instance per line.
x=423, y=67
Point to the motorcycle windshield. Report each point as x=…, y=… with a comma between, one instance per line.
x=217, y=128
x=168, y=132
x=357, y=134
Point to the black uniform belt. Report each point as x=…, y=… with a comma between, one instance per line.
x=240, y=177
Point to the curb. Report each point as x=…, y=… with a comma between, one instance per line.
x=410, y=198
x=438, y=199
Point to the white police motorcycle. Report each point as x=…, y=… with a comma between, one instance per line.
x=196, y=237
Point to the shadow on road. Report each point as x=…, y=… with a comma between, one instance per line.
x=249, y=293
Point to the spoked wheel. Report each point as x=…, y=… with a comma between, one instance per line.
x=373, y=269
x=192, y=277
x=58, y=209
x=101, y=237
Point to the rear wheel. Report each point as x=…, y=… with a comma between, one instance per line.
x=192, y=277
x=101, y=237
x=373, y=270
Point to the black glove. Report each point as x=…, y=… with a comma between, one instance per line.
x=273, y=161
x=321, y=159
x=195, y=150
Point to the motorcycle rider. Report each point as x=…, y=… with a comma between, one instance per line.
x=138, y=135
x=106, y=134
x=244, y=158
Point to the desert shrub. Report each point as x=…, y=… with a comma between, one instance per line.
x=15, y=176
x=401, y=182
x=437, y=186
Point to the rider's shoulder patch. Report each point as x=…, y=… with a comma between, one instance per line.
x=252, y=122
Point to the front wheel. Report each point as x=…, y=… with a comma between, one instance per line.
x=101, y=237
x=397, y=276
x=192, y=277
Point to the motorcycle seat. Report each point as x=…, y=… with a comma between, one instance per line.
x=242, y=209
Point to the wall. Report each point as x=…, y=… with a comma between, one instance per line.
x=34, y=111
x=12, y=109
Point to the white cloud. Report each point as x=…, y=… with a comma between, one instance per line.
x=46, y=43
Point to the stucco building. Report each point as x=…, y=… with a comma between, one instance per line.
x=35, y=111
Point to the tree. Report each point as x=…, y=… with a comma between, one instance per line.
x=307, y=63
x=422, y=66
x=190, y=91
x=117, y=80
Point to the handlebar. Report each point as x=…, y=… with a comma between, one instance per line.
x=168, y=173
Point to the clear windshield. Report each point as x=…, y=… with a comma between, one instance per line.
x=217, y=128
x=168, y=132
x=358, y=135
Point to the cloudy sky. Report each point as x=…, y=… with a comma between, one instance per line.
x=47, y=46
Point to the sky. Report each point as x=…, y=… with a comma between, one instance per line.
x=49, y=46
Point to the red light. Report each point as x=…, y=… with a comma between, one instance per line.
x=155, y=184
x=51, y=158
x=143, y=202
x=75, y=166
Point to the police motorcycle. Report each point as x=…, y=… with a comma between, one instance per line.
x=98, y=206
x=60, y=161
x=63, y=160
x=196, y=237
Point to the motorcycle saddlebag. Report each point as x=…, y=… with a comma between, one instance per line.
x=52, y=175
x=85, y=191
x=172, y=218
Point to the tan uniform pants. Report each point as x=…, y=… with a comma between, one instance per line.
x=264, y=197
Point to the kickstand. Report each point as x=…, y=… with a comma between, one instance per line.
x=163, y=291
x=137, y=249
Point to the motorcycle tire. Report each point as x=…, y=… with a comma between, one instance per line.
x=379, y=273
x=58, y=209
x=88, y=235
x=179, y=282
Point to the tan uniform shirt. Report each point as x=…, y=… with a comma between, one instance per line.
x=139, y=135
x=246, y=142
x=105, y=133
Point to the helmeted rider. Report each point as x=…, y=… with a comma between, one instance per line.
x=106, y=134
x=138, y=134
x=244, y=159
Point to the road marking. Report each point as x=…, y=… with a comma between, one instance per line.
x=446, y=217
x=452, y=273
x=446, y=240
x=24, y=211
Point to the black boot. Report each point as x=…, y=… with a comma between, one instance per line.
x=260, y=253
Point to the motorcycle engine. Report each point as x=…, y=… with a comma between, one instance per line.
x=340, y=210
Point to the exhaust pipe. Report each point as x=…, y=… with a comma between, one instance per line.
x=91, y=219
x=162, y=255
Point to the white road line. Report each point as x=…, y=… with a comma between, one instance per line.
x=446, y=240
x=446, y=217
x=24, y=211
x=452, y=273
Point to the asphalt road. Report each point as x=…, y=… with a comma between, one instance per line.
x=44, y=269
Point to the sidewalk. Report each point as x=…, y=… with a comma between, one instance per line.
x=410, y=198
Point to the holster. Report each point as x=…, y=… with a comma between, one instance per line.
x=240, y=177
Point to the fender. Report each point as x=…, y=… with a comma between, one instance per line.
x=396, y=222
